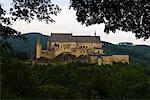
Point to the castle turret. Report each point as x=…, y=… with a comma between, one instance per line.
x=48, y=45
x=38, y=49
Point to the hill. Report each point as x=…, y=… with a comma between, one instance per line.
x=138, y=53
x=28, y=45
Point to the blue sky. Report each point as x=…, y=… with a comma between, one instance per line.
x=61, y=2
x=66, y=22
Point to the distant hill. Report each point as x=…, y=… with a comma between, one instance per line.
x=138, y=53
x=28, y=45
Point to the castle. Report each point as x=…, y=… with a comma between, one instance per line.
x=89, y=47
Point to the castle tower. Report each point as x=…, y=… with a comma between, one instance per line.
x=48, y=45
x=38, y=49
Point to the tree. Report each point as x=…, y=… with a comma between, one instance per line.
x=17, y=80
x=25, y=10
x=125, y=15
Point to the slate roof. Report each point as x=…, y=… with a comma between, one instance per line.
x=67, y=37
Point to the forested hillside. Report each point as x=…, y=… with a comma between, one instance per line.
x=28, y=45
x=138, y=53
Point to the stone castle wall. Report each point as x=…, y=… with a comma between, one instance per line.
x=74, y=48
x=103, y=60
x=56, y=48
x=65, y=45
x=121, y=58
x=47, y=54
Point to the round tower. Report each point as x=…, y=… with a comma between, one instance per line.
x=38, y=49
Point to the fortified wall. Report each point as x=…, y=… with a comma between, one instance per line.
x=89, y=46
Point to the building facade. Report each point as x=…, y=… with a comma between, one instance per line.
x=66, y=43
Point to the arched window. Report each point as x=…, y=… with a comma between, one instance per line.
x=55, y=44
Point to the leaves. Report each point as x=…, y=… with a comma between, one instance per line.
x=125, y=15
x=25, y=10
x=30, y=9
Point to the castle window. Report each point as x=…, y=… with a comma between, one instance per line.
x=86, y=46
x=55, y=44
x=83, y=46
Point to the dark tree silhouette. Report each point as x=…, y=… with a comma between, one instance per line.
x=125, y=15
x=25, y=10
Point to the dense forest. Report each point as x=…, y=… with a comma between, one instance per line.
x=20, y=80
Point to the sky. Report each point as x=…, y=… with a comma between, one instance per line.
x=66, y=23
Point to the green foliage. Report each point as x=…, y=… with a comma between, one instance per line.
x=17, y=80
x=125, y=15
x=75, y=81
x=126, y=81
x=26, y=10
x=13, y=54
x=20, y=55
